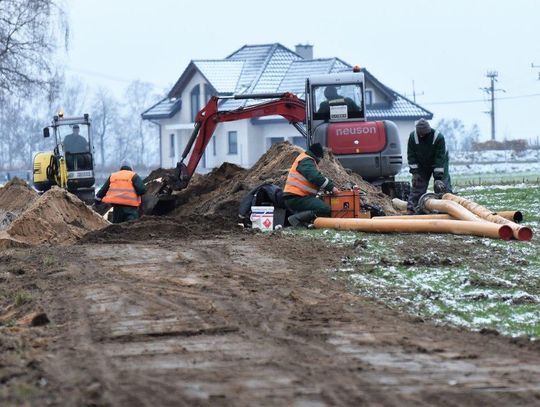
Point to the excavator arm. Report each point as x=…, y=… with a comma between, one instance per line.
x=286, y=105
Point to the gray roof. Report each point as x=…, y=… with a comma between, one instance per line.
x=275, y=68
x=164, y=109
x=398, y=107
x=223, y=75
x=294, y=79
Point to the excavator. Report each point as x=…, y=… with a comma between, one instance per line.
x=71, y=163
x=333, y=114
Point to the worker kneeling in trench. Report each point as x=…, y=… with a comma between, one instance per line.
x=123, y=190
x=303, y=183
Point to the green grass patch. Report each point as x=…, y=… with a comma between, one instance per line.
x=49, y=261
x=21, y=298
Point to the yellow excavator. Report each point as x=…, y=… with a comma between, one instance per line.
x=71, y=163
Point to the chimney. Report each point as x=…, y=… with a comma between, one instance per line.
x=305, y=51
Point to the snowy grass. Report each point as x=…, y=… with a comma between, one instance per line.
x=476, y=283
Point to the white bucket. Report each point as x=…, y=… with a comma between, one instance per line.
x=262, y=217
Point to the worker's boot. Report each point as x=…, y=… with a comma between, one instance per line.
x=301, y=218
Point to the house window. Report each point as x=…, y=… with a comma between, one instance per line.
x=214, y=144
x=369, y=97
x=275, y=140
x=171, y=145
x=195, y=105
x=299, y=141
x=208, y=92
x=233, y=142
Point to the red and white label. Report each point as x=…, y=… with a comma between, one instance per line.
x=356, y=137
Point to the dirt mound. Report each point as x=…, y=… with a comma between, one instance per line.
x=56, y=217
x=220, y=191
x=16, y=196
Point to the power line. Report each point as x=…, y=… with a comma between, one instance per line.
x=110, y=77
x=457, y=102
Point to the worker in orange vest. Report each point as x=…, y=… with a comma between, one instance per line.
x=303, y=183
x=123, y=190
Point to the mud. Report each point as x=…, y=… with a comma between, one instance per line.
x=164, y=228
x=231, y=319
x=56, y=217
x=220, y=191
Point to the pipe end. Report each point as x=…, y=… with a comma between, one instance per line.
x=518, y=217
x=505, y=232
x=525, y=233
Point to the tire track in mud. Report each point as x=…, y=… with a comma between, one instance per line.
x=230, y=321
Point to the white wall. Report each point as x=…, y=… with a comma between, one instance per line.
x=221, y=136
x=180, y=124
x=405, y=127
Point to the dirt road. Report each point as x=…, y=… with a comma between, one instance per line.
x=233, y=319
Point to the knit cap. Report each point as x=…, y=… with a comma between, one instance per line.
x=422, y=127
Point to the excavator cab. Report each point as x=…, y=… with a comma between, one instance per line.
x=336, y=117
x=71, y=163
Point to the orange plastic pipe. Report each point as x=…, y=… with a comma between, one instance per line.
x=457, y=227
x=519, y=232
x=440, y=216
x=399, y=204
x=452, y=208
x=515, y=216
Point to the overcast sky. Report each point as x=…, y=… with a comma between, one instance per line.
x=445, y=46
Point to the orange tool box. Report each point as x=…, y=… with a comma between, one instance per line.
x=346, y=204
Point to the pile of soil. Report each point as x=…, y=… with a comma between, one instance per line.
x=15, y=197
x=220, y=191
x=56, y=217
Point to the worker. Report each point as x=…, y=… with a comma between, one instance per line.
x=75, y=146
x=74, y=143
x=427, y=155
x=333, y=98
x=123, y=190
x=303, y=183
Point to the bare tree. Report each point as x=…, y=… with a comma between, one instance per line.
x=104, y=119
x=453, y=131
x=71, y=97
x=139, y=96
x=20, y=131
x=30, y=34
x=471, y=138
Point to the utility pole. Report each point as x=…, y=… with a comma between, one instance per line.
x=492, y=75
x=414, y=93
x=536, y=66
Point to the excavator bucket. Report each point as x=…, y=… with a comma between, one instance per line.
x=159, y=198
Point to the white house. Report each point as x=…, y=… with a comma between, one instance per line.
x=258, y=69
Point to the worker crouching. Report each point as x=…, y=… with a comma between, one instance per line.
x=123, y=190
x=303, y=183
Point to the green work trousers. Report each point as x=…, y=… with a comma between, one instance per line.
x=123, y=213
x=307, y=203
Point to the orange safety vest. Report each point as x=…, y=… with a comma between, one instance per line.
x=121, y=190
x=296, y=183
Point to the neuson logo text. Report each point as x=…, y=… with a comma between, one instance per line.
x=353, y=131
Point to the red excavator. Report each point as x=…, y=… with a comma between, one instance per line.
x=333, y=114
